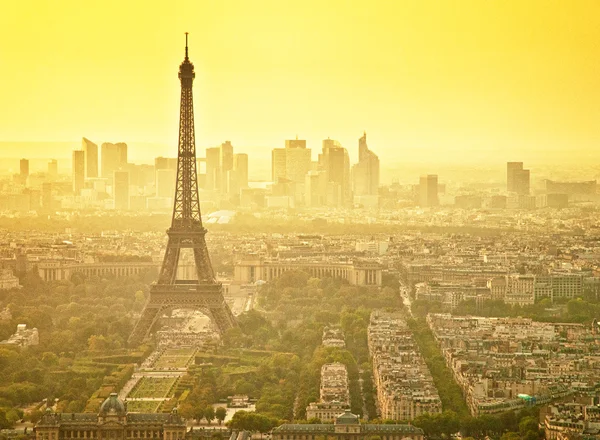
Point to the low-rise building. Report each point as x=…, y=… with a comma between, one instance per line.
x=23, y=337
x=346, y=426
x=112, y=422
x=362, y=273
x=8, y=280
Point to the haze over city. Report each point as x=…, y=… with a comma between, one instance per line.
x=477, y=82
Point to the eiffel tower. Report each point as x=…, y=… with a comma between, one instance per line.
x=204, y=294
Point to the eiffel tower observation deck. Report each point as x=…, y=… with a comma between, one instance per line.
x=186, y=232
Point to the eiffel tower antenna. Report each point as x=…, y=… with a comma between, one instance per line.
x=186, y=232
x=186, y=45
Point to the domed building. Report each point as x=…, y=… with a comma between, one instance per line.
x=112, y=422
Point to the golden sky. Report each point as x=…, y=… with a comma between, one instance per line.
x=425, y=78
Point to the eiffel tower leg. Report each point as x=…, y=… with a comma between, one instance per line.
x=149, y=316
x=223, y=318
x=168, y=271
x=202, y=260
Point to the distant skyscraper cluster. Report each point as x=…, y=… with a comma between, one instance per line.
x=225, y=172
x=89, y=181
x=297, y=180
x=103, y=178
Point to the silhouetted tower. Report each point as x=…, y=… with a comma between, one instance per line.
x=186, y=231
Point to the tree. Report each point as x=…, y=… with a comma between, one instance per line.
x=220, y=414
x=510, y=436
x=49, y=358
x=97, y=343
x=187, y=410
x=35, y=416
x=209, y=414
x=199, y=412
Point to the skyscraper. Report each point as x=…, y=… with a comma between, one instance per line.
x=517, y=178
x=121, y=190
x=512, y=168
x=297, y=160
x=336, y=164
x=91, y=157
x=213, y=168
x=228, y=180
x=240, y=166
x=114, y=157
x=52, y=169
x=278, y=164
x=24, y=170
x=365, y=174
x=78, y=166
x=428, y=190
x=226, y=156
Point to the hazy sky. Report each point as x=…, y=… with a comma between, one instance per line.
x=456, y=79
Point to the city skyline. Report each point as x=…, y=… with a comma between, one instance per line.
x=481, y=82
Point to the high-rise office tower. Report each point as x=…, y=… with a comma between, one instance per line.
x=278, y=164
x=297, y=160
x=512, y=168
x=122, y=150
x=24, y=170
x=428, y=191
x=121, y=190
x=165, y=182
x=226, y=155
x=523, y=183
x=52, y=169
x=228, y=179
x=91, y=157
x=517, y=178
x=240, y=166
x=365, y=174
x=78, y=166
x=336, y=163
x=114, y=157
x=213, y=168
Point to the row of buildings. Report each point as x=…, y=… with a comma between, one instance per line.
x=576, y=418
x=334, y=394
x=513, y=289
x=109, y=181
x=505, y=364
x=405, y=388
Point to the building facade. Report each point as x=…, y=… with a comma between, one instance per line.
x=113, y=422
x=248, y=271
x=346, y=426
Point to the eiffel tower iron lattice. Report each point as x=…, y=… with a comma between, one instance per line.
x=186, y=231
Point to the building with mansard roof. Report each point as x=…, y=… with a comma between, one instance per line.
x=347, y=426
x=113, y=422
